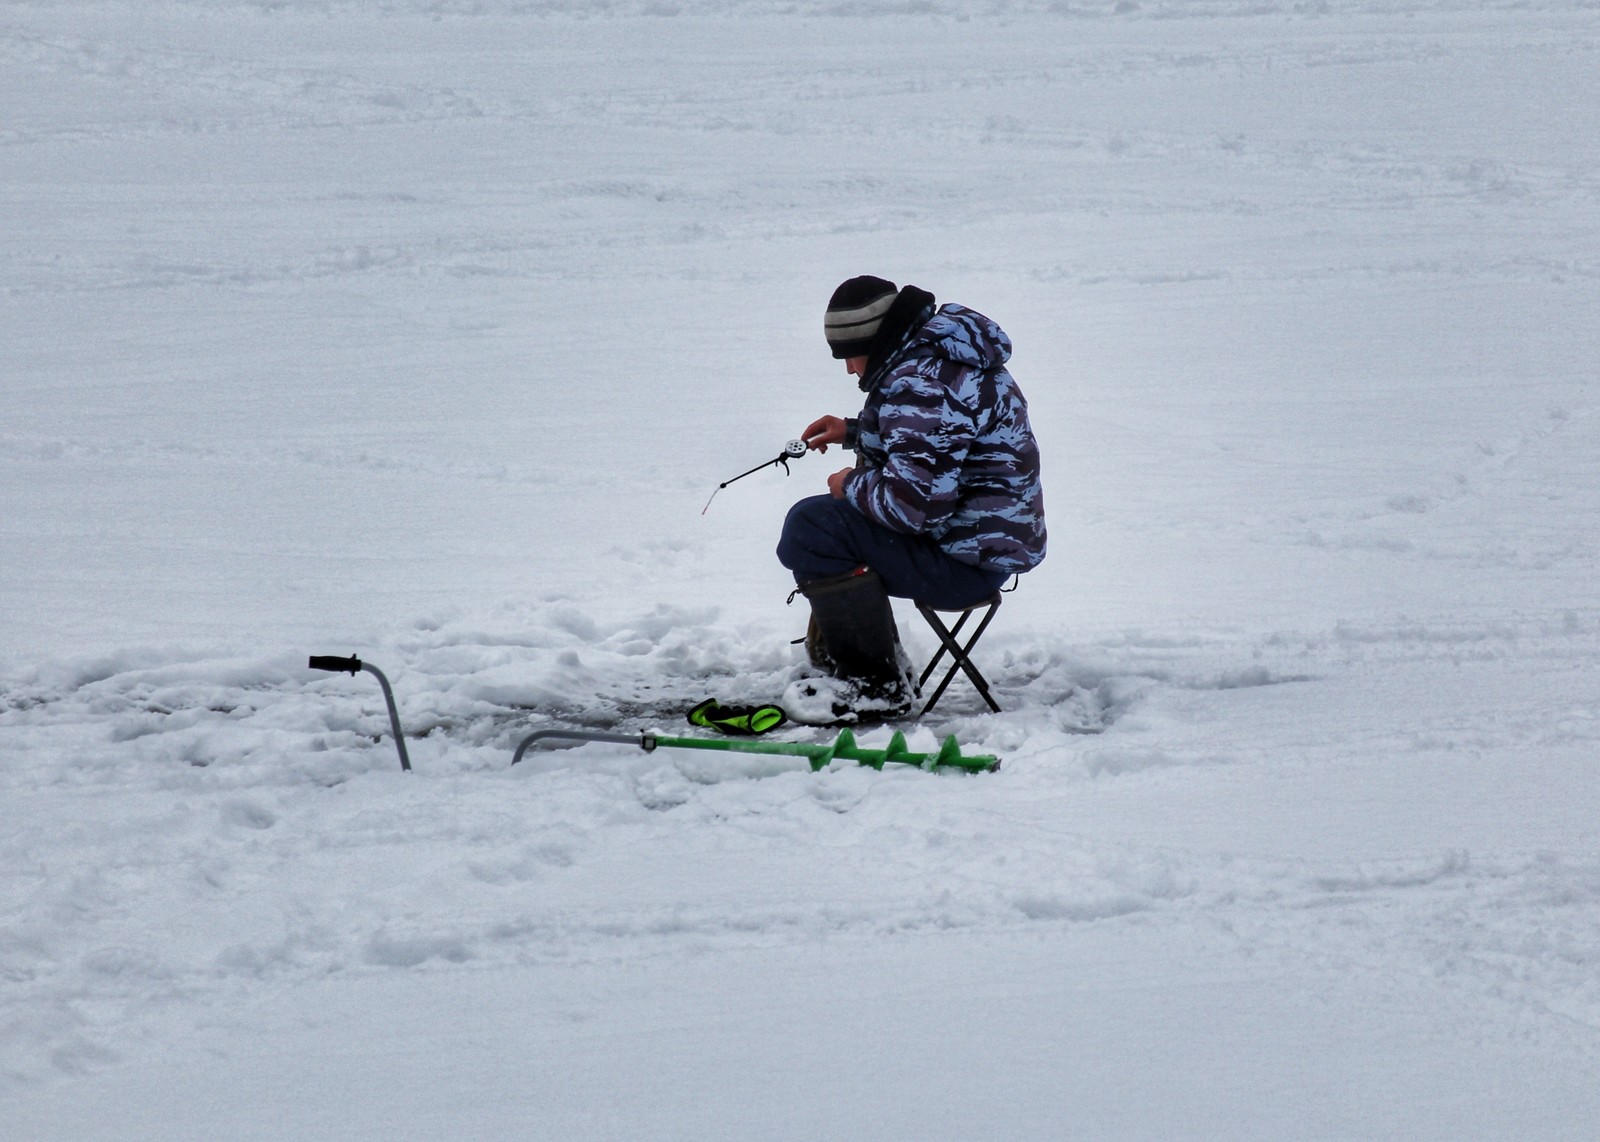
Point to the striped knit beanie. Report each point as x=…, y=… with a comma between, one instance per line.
x=855, y=314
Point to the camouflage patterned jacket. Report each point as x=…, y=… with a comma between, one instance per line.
x=944, y=447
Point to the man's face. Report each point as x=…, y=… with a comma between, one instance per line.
x=856, y=366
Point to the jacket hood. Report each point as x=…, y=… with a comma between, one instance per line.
x=952, y=332
x=964, y=336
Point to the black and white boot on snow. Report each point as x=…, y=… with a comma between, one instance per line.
x=852, y=636
x=826, y=701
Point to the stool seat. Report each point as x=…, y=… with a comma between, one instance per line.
x=960, y=653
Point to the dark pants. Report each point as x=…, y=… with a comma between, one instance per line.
x=823, y=536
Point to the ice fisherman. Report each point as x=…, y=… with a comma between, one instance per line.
x=943, y=504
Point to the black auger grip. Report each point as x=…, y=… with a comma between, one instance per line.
x=334, y=663
x=353, y=665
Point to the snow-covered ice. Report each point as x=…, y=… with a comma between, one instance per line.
x=422, y=330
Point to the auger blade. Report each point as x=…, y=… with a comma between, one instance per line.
x=843, y=747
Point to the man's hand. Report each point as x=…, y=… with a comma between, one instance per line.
x=836, y=482
x=824, y=431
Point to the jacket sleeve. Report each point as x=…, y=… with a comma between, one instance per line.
x=926, y=435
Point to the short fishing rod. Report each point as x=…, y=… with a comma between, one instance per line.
x=791, y=451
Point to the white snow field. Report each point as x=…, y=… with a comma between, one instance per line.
x=422, y=329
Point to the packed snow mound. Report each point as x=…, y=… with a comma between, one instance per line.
x=469, y=692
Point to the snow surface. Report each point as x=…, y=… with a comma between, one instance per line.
x=422, y=329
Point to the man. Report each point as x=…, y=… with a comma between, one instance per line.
x=943, y=504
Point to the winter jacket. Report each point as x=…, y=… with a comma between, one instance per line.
x=944, y=448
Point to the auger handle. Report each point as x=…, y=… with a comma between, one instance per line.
x=645, y=741
x=353, y=665
x=335, y=664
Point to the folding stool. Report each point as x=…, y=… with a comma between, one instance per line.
x=960, y=654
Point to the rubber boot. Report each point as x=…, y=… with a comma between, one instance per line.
x=856, y=639
x=816, y=650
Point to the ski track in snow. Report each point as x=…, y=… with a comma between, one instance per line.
x=1244, y=174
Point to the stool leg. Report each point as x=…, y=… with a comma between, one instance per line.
x=946, y=637
x=971, y=670
x=961, y=656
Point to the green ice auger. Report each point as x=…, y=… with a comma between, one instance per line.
x=819, y=755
